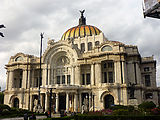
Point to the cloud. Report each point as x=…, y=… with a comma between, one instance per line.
x=119, y=20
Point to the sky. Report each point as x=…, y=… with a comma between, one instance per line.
x=120, y=20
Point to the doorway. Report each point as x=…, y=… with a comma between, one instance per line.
x=108, y=101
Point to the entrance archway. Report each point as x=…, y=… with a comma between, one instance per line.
x=16, y=103
x=108, y=101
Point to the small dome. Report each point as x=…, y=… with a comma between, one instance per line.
x=80, y=31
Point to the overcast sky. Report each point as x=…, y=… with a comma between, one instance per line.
x=120, y=20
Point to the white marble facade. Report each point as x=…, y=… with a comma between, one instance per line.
x=91, y=76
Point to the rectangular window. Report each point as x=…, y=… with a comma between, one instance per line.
x=89, y=46
x=20, y=82
x=63, y=79
x=88, y=78
x=36, y=82
x=146, y=69
x=105, y=65
x=147, y=81
x=110, y=76
x=68, y=79
x=83, y=79
x=58, y=79
x=105, y=77
x=110, y=65
x=82, y=47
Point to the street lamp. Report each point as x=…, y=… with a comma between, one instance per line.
x=50, y=97
x=50, y=102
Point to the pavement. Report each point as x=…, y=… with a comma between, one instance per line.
x=37, y=117
x=21, y=118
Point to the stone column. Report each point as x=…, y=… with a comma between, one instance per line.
x=75, y=102
x=67, y=102
x=11, y=78
x=7, y=84
x=115, y=72
x=80, y=102
x=29, y=80
x=57, y=102
x=24, y=79
x=49, y=78
x=44, y=76
x=73, y=76
x=118, y=71
x=98, y=72
x=124, y=71
x=90, y=101
x=31, y=103
x=46, y=102
x=77, y=75
x=32, y=79
x=92, y=74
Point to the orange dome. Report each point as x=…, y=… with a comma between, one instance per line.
x=80, y=31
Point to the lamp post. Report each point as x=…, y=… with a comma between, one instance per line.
x=38, y=107
x=40, y=71
x=50, y=102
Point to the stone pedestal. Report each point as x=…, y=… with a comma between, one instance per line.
x=133, y=102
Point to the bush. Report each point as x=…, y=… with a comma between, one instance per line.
x=1, y=98
x=121, y=112
x=4, y=107
x=146, y=106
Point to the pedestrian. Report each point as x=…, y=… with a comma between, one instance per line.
x=46, y=113
x=26, y=116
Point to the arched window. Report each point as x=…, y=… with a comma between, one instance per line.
x=96, y=43
x=19, y=58
x=89, y=46
x=106, y=48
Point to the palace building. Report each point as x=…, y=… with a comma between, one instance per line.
x=83, y=70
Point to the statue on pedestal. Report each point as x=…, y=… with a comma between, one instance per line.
x=131, y=90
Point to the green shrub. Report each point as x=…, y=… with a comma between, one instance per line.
x=4, y=107
x=146, y=106
x=1, y=98
x=121, y=112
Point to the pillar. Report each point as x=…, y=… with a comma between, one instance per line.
x=73, y=76
x=7, y=84
x=24, y=79
x=90, y=101
x=57, y=102
x=92, y=74
x=11, y=83
x=46, y=102
x=44, y=76
x=124, y=72
x=77, y=75
x=32, y=79
x=31, y=103
x=98, y=72
x=80, y=102
x=75, y=102
x=29, y=80
x=49, y=78
x=67, y=102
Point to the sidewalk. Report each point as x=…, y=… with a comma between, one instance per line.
x=21, y=118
